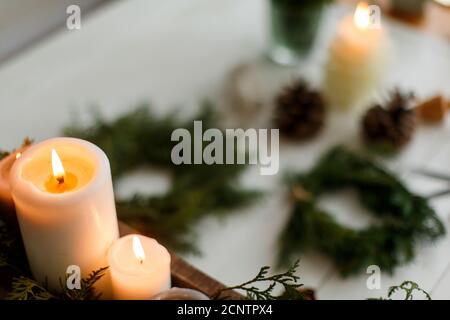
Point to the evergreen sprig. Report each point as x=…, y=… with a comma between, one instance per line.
x=142, y=139
x=288, y=280
x=406, y=217
x=26, y=288
x=87, y=291
x=407, y=288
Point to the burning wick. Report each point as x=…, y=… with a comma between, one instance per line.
x=138, y=249
x=58, y=169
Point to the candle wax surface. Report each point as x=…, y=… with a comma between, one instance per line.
x=79, y=169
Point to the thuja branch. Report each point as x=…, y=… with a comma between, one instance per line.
x=87, y=290
x=25, y=288
x=287, y=280
x=408, y=288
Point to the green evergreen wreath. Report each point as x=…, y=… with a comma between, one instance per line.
x=406, y=218
x=141, y=138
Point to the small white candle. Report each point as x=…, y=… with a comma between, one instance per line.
x=357, y=60
x=63, y=194
x=140, y=268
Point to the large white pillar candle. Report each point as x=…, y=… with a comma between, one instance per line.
x=140, y=268
x=63, y=194
x=357, y=60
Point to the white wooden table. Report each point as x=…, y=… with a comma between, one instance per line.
x=175, y=53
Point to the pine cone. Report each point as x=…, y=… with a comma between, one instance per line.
x=300, y=111
x=392, y=125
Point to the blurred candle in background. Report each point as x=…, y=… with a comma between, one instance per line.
x=357, y=59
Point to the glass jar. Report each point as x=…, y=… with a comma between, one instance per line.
x=294, y=27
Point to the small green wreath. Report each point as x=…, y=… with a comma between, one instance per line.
x=139, y=139
x=407, y=218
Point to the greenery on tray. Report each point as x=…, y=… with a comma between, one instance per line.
x=17, y=283
x=141, y=139
x=406, y=218
x=287, y=280
x=25, y=288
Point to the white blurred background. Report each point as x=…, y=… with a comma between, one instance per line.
x=24, y=22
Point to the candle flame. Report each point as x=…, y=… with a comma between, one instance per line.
x=58, y=169
x=18, y=155
x=361, y=17
x=138, y=249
